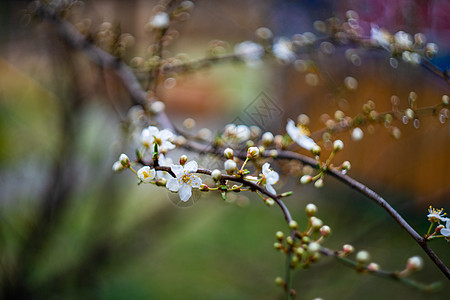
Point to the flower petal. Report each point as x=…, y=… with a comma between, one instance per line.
x=265, y=169
x=270, y=189
x=165, y=134
x=445, y=231
x=168, y=145
x=196, y=181
x=173, y=185
x=185, y=192
x=191, y=166
x=153, y=131
x=272, y=177
x=177, y=170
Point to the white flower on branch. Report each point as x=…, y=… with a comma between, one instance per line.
x=164, y=162
x=185, y=180
x=298, y=135
x=145, y=174
x=269, y=177
x=282, y=50
x=250, y=52
x=152, y=135
x=160, y=21
x=436, y=215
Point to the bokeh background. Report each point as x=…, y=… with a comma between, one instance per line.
x=72, y=229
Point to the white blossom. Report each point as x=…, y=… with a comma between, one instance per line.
x=357, y=134
x=380, y=36
x=270, y=177
x=145, y=174
x=152, y=135
x=436, y=215
x=250, y=52
x=184, y=180
x=403, y=40
x=164, y=162
x=160, y=21
x=282, y=50
x=299, y=136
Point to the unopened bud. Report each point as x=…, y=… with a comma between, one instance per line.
x=414, y=263
x=362, y=257
x=311, y=210
x=204, y=188
x=338, y=145
x=305, y=179
x=325, y=230
x=316, y=223
x=289, y=240
x=409, y=113
x=286, y=194
x=267, y=138
x=293, y=225
x=228, y=153
x=183, y=159
x=347, y=249
x=216, y=174
x=252, y=152
x=273, y=153
x=373, y=267
x=117, y=166
x=316, y=149
x=279, y=235
x=279, y=281
x=269, y=201
x=346, y=165
x=124, y=160
x=277, y=245
x=230, y=165
x=313, y=247
x=445, y=99
x=319, y=183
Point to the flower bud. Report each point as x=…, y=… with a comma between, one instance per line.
x=183, y=159
x=347, y=249
x=157, y=107
x=346, y=165
x=161, y=182
x=414, y=263
x=293, y=225
x=273, y=153
x=373, y=267
x=269, y=201
x=325, y=230
x=279, y=281
x=316, y=223
x=279, y=235
x=117, y=166
x=445, y=100
x=228, y=153
x=252, y=152
x=267, y=138
x=216, y=175
x=319, y=183
x=362, y=257
x=277, y=245
x=409, y=113
x=311, y=210
x=338, y=145
x=316, y=149
x=357, y=134
x=160, y=21
x=230, y=165
x=305, y=179
x=289, y=240
x=313, y=247
x=204, y=187
x=124, y=160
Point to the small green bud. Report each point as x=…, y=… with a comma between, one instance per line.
x=124, y=160
x=346, y=165
x=445, y=99
x=286, y=194
x=319, y=183
x=293, y=225
x=279, y=235
x=316, y=223
x=311, y=210
x=305, y=179
x=279, y=281
x=277, y=245
x=252, y=152
x=269, y=201
x=289, y=240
